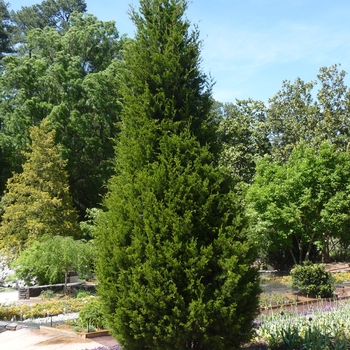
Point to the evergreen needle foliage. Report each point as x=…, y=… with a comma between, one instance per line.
x=37, y=201
x=174, y=260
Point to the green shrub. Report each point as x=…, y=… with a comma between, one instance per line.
x=47, y=294
x=313, y=280
x=91, y=315
x=83, y=294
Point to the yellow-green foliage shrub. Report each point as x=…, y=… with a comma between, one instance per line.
x=55, y=307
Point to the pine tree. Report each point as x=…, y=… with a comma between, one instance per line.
x=6, y=29
x=174, y=260
x=37, y=202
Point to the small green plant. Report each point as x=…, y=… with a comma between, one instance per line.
x=83, y=294
x=47, y=294
x=313, y=280
x=76, y=329
x=72, y=322
x=90, y=328
x=290, y=337
x=91, y=315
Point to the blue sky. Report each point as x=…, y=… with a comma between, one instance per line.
x=251, y=46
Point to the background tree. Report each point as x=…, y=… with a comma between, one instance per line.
x=294, y=115
x=51, y=259
x=303, y=202
x=174, y=263
x=49, y=13
x=37, y=201
x=6, y=28
x=334, y=104
x=72, y=80
x=243, y=137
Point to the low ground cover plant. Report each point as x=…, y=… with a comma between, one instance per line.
x=341, y=277
x=47, y=294
x=267, y=300
x=54, y=307
x=270, y=284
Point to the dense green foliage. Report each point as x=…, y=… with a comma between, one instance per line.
x=6, y=29
x=313, y=280
x=243, y=135
x=174, y=257
x=71, y=80
x=91, y=315
x=302, y=203
x=37, y=201
x=295, y=115
x=49, y=13
x=50, y=259
x=174, y=264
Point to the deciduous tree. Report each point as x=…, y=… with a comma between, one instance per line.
x=51, y=259
x=49, y=13
x=302, y=202
x=296, y=115
x=244, y=138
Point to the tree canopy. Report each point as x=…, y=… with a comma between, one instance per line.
x=298, y=114
x=243, y=136
x=6, y=29
x=303, y=202
x=37, y=201
x=49, y=13
x=73, y=81
x=50, y=259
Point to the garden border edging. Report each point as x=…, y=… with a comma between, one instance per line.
x=75, y=334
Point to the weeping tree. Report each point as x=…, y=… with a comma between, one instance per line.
x=174, y=261
x=50, y=260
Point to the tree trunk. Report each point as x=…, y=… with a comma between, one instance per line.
x=293, y=256
x=310, y=246
x=325, y=250
x=65, y=281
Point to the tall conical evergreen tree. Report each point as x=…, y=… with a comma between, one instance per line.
x=37, y=201
x=174, y=261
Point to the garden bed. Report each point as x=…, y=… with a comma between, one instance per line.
x=69, y=330
x=278, y=293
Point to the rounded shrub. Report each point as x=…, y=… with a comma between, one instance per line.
x=313, y=280
x=91, y=315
